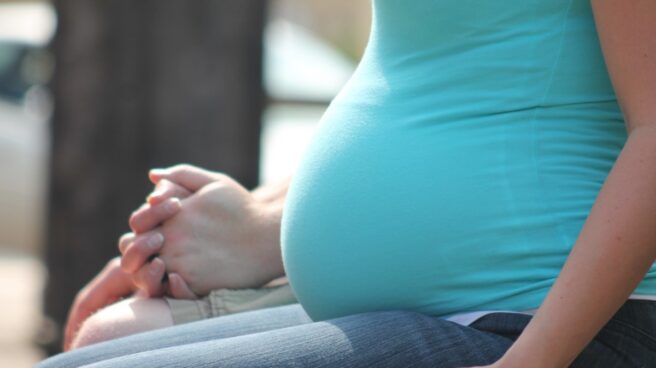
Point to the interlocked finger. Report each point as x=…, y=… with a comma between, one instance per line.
x=148, y=217
x=125, y=240
x=179, y=289
x=166, y=189
x=139, y=250
x=149, y=278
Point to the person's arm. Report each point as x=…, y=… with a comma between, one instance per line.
x=109, y=286
x=273, y=192
x=617, y=244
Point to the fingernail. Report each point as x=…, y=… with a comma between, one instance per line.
x=157, y=192
x=158, y=172
x=172, y=206
x=155, y=240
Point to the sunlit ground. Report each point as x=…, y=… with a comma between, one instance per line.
x=20, y=303
x=23, y=146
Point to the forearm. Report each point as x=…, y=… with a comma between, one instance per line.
x=272, y=193
x=615, y=249
x=272, y=197
x=270, y=247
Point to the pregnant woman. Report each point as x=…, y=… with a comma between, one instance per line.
x=486, y=179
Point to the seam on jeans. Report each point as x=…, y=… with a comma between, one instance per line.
x=643, y=337
x=623, y=356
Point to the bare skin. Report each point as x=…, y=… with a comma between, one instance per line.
x=109, y=286
x=104, y=297
x=92, y=311
x=223, y=237
x=616, y=246
x=619, y=234
x=126, y=317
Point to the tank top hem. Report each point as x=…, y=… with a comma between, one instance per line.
x=466, y=319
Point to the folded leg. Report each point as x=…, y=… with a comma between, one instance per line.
x=124, y=318
x=377, y=339
x=211, y=329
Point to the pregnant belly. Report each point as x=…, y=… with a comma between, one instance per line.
x=389, y=216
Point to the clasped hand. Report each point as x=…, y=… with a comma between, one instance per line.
x=198, y=231
x=215, y=238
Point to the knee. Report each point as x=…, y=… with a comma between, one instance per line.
x=124, y=318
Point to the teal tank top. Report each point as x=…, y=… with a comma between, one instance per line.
x=456, y=168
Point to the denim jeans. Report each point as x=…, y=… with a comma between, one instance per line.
x=286, y=337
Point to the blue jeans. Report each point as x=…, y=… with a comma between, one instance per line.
x=286, y=337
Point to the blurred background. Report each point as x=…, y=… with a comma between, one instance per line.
x=94, y=93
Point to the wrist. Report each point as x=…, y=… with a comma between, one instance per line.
x=261, y=194
x=512, y=360
x=268, y=244
x=271, y=193
x=536, y=354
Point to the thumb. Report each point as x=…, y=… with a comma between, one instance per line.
x=179, y=289
x=190, y=177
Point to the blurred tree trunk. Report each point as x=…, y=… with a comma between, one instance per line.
x=142, y=84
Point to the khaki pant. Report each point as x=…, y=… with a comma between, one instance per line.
x=227, y=301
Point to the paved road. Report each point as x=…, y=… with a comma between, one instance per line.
x=22, y=163
x=20, y=303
